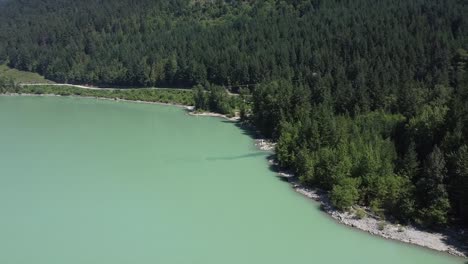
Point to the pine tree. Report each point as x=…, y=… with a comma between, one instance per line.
x=200, y=98
x=432, y=190
x=345, y=193
x=410, y=163
x=460, y=184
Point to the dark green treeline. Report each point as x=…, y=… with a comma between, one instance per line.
x=367, y=99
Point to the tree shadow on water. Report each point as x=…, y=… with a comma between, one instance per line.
x=249, y=130
x=245, y=128
x=236, y=157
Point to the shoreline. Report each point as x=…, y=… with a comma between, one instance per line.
x=406, y=234
x=186, y=107
x=189, y=108
x=211, y=114
x=90, y=87
x=370, y=224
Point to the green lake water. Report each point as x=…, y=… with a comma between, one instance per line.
x=100, y=182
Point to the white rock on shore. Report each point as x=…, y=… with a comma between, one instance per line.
x=407, y=234
x=370, y=224
x=265, y=145
x=234, y=118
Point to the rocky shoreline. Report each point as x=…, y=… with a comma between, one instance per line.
x=211, y=114
x=451, y=241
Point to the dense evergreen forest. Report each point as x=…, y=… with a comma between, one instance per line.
x=367, y=99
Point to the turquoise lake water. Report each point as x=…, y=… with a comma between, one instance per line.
x=101, y=182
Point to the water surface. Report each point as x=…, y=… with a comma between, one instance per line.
x=88, y=181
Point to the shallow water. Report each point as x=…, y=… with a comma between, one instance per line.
x=88, y=181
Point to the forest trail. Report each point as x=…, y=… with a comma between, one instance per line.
x=99, y=88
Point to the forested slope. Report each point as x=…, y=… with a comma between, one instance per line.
x=367, y=99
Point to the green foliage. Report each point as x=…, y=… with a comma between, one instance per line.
x=433, y=191
x=360, y=213
x=21, y=76
x=410, y=164
x=216, y=99
x=376, y=208
x=7, y=85
x=276, y=102
x=345, y=49
x=286, y=144
x=333, y=166
x=345, y=193
x=390, y=194
x=427, y=125
x=305, y=164
x=460, y=183
x=245, y=104
x=200, y=98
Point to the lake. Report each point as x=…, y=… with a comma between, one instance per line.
x=92, y=181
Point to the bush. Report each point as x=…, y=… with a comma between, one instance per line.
x=345, y=193
x=360, y=213
x=376, y=208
